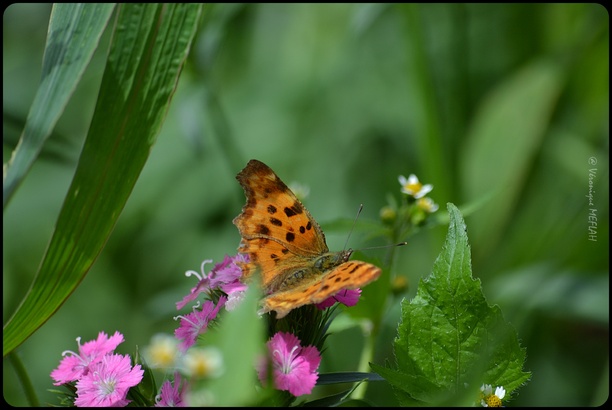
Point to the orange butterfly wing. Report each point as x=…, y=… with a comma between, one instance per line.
x=277, y=231
x=288, y=247
x=349, y=275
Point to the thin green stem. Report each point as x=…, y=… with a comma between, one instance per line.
x=367, y=355
x=23, y=377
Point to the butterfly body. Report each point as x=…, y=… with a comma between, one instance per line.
x=287, y=247
x=312, y=269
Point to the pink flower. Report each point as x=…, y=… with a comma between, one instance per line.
x=195, y=323
x=294, y=367
x=171, y=396
x=348, y=297
x=225, y=276
x=203, y=285
x=228, y=273
x=75, y=365
x=107, y=383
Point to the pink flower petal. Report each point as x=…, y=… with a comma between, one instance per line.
x=294, y=367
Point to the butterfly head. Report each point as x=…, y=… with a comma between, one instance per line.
x=346, y=254
x=330, y=260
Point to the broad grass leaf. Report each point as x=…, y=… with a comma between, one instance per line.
x=74, y=32
x=149, y=46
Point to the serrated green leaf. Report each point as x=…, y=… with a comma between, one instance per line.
x=420, y=388
x=449, y=336
x=149, y=46
x=74, y=32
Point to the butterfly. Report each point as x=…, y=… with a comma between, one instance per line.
x=287, y=246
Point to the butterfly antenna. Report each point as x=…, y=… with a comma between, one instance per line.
x=353, y=227
x=384, y=246
x=371, y=247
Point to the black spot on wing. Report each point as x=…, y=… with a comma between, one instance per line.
x=263, y=229
x=293, y=210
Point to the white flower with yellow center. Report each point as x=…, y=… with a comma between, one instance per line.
x=427, y=204
x=202, y=362
x=488, y=399
x=413, y=187
x=162, y=352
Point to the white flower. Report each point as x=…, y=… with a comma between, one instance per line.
x=413, y=187
x=488, y=399
x=203, y=362
x=427, y=204
x=162, y=352
x=234, y=299
x=300, y=190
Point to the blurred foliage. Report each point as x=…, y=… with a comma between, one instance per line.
x=344, y=98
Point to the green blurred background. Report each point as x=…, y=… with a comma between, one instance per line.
x=503, y=108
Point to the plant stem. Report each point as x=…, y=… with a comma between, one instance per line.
x=367, y=355
x=23, y=377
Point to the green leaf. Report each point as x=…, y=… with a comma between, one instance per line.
x=347, y=377
x=147, y=389
x=335, y=400
x=449, y=337
x=240, y=338
x=149, y=46
x=421, y=389
x=504, y=138
x=74, y=32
